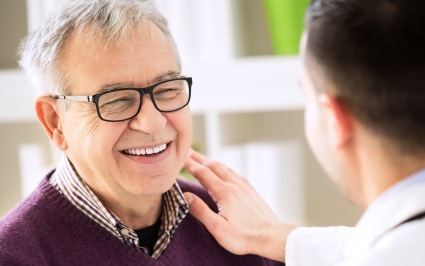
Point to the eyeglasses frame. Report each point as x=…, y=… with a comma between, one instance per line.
x=142, y=91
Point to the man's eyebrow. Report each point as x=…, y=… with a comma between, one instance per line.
x=119, y=85
x=112, y=86
x=168, y=75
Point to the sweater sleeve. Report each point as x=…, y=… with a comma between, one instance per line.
x=317, y=246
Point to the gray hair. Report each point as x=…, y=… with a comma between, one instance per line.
x=111, y=20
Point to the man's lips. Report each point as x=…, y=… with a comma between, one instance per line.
x=147, y=151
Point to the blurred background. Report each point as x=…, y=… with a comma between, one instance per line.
x=247, y=107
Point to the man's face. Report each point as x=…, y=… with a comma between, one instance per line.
x=98, y=149
x=321, y=128
x=317, y=130
x=314, y=118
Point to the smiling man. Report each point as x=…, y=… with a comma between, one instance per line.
x=113, y=99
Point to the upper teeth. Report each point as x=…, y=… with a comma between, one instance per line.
x=146, y=151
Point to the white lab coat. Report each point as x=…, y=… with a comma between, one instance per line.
x=376, y=240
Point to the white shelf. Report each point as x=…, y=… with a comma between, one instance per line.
x=17, y=102
x=244, y=85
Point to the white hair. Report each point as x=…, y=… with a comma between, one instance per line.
x=114, y=21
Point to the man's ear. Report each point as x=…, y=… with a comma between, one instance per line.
x=339, y=120
x=49, y=117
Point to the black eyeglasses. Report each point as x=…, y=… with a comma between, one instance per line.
x=125, y=103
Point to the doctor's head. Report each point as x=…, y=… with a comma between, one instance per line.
x=364, y=65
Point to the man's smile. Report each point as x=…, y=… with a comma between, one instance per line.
x=147, y=151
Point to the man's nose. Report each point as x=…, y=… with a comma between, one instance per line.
x=149, y=119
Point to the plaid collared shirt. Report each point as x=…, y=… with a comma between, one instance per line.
x=174, y=208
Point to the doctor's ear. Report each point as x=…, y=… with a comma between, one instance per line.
x=49, y=117
x=339, y=120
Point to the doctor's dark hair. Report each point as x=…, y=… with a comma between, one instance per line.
x=372, y=53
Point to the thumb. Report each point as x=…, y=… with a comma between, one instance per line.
x=216, y=224
x=200, y=210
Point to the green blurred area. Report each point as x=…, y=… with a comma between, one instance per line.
x=285, y=20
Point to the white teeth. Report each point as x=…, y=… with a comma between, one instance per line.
x=146, y=151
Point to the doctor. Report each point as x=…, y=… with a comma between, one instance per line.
x=364, y=81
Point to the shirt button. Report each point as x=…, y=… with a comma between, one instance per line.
x=125, y=231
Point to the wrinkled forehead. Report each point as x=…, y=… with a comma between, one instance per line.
x=89, y=61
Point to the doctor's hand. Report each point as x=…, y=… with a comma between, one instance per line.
x=245, y=224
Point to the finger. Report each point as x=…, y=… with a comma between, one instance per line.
x=225, y=173
x=204, y=175
x=222, y=171
x=217, y=225
x=198, y=157
x=200, y=210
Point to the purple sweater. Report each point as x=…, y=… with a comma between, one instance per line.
x=46, y=229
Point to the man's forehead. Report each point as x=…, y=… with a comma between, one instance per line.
x=93, y=35
x=123, y=84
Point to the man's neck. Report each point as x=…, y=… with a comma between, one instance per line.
x=136, y=214
x=381, y=169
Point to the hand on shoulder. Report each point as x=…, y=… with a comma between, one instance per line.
x=245, y=224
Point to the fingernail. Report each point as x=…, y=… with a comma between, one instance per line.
x=189, y=199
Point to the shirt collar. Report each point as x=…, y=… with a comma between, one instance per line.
x=391, y=197
x=397, y=204
x=73, y=187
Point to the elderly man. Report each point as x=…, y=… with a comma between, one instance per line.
x=364, y=81
x=113, y=99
